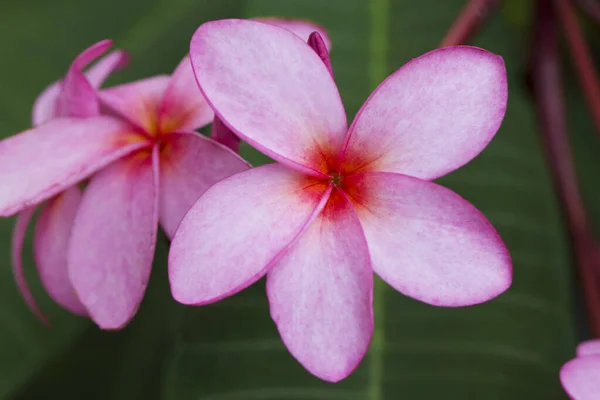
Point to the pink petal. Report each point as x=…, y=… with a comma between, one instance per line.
x=233, y=233
x=315, y=41
x=321, y=293
x=138, y=101
x=302, y=28
x=431, y=116
x=183, y=107
x=98, y=73
x=428, y=242
x=113, y=239
x=41, y=162
x=190, y=164
x=45, y=106
x=222, y=134
x=78, y=97
x=17, y=262
x=588, y=348
x=272, y=90
x=581, y=378
x=52, y=233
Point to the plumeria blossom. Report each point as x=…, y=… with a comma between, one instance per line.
x=68, y=97
x=149, y=166
x=340, y=203
x=581, y=376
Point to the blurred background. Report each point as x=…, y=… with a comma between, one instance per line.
x=509, y=348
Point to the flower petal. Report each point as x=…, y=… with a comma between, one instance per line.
x=581, y=377
x=302, y=28
x=17, y=262
x=221, y=133
x=45, y=106
x=232, y=234
x=52, y=233
x=65, y=151
x=98, y=72
x=78, y=97
x=428, y=242
x=183, y=106
x=321, y=293
x=431, y=116
x=272, y=90
x=315, y=41
x=588, y=348
x=114, y=235
x=190, y=164
x=137, y=101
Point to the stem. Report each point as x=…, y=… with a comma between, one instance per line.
x=222, y=134
x=472, y=16
x=591, y=8
x=588, y=79
x=547, y=91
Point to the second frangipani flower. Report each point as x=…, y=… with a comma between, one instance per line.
x=151, y=167
x=341, y=203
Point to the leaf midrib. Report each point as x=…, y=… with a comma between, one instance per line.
x=378, y=65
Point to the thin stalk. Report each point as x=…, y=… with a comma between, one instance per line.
x=588, y=79
x=472, y=16
x=549, y=100
x=591, y=8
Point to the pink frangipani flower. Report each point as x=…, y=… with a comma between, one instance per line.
x=340, y=203
x=74, y=96
x=150, y=166
x=581, y=376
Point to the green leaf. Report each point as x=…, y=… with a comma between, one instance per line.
x=509, y=348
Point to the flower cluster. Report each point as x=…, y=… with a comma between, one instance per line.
x=340, y=203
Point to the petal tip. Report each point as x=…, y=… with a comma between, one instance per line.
x=111, y=325
x=588, y=348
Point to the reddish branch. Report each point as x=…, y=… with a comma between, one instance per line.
x=581, y=57
x=549, y=100
x=469, y=20
x=545, y=80
x=591, y=8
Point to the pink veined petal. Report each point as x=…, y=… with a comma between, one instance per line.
x=428, y=242
x=137, y=101
x=190, y=164
x=581, y=377
x=98, y=72
x=78, y=97
x=315, y=41
x=41, y=162
x=114, y=234
x=17, y=262
x=183, y=106
x=222, y=134
x=272, y=90
x=302, y=28
x=44, y=108
x=588, y=348
x=430, y=117
x=52, y=233
x=321, y=293
x=232, y=234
